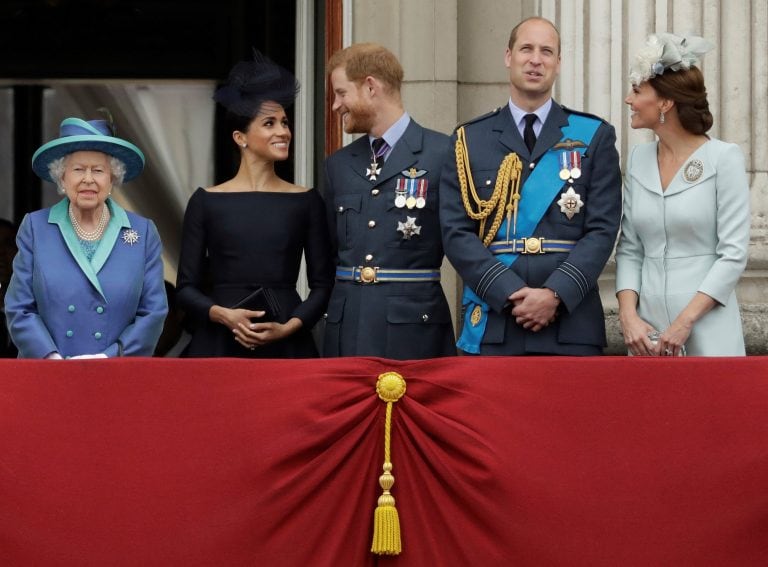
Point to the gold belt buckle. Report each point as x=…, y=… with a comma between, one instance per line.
x=533, y=245
x=368, y=274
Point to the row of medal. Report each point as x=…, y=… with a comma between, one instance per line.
x=411, y=193
x=570, y=165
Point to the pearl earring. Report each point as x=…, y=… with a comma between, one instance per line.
x=245, y=145
x=662, y=119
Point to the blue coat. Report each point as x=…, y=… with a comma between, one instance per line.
x=580, y=326
x=58, y=301
x=392, y=320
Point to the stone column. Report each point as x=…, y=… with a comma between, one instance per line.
x=452, y=51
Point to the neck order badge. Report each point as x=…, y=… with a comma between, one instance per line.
x=379, y=148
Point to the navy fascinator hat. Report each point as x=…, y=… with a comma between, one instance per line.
x=252, y=83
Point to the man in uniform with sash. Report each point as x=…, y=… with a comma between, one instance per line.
x=382, y=197
x=530, y=209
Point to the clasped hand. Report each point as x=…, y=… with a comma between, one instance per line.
x=57, y=356
x=249, y=332
x=534, y=308
x=643, y=340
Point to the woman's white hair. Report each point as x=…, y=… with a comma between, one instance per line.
x=57, y=166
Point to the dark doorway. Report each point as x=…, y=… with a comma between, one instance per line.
x=45, y=40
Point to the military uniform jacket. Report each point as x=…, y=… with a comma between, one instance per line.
x=387, y=319
x=580, y=327
x=59, y=301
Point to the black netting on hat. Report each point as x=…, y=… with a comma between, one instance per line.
x=251, y=83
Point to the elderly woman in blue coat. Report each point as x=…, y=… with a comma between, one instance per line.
x=88, y=278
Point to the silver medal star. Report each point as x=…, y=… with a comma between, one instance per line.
x=130, y=236
x=570, y=203
x=408, y=228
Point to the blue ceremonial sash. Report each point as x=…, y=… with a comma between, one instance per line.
x=543, y=184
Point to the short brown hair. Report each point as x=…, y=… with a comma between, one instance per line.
x=513, y=33
x=363, y=59
x=686, y=87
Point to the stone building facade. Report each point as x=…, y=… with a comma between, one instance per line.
x=453, y=55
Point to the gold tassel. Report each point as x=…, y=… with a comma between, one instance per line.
x=390, y=387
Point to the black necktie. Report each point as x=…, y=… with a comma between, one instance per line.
x=529, y=136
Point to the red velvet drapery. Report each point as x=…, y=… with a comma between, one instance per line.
x=497, y=461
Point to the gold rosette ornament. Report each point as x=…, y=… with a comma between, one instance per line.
x=390, y=387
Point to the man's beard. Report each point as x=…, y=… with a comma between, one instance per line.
x=360, y=119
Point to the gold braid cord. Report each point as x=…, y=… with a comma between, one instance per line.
x=390, y=387
x=503, y=200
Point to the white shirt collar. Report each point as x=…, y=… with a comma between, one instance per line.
x=394, y=132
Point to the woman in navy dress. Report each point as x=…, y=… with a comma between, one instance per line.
x=250, y=232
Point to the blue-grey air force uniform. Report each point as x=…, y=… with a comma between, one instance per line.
x=390, y=319
x=579, y=328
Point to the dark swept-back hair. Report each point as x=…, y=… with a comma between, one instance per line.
x=252, y=83
x=686, y=87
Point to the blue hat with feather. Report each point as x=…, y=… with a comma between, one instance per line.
x=77, y=135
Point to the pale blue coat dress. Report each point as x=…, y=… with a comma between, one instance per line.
x=60, y=301
x=692, y=237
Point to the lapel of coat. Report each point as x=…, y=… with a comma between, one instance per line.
x=118, y=220
x=552, y=130
x=361, y=157
x=645, y=167
x=59, y=215
x=404, y=154
x=695, y=176
x=509, y=135
x=401, y=157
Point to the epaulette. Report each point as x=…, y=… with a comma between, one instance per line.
x=582, y=113
x=493, y=112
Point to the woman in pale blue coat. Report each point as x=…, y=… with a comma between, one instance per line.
x=88, y=277
x=685, y=228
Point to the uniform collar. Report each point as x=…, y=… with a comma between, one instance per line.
x=394, y=132
x=518, y=115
